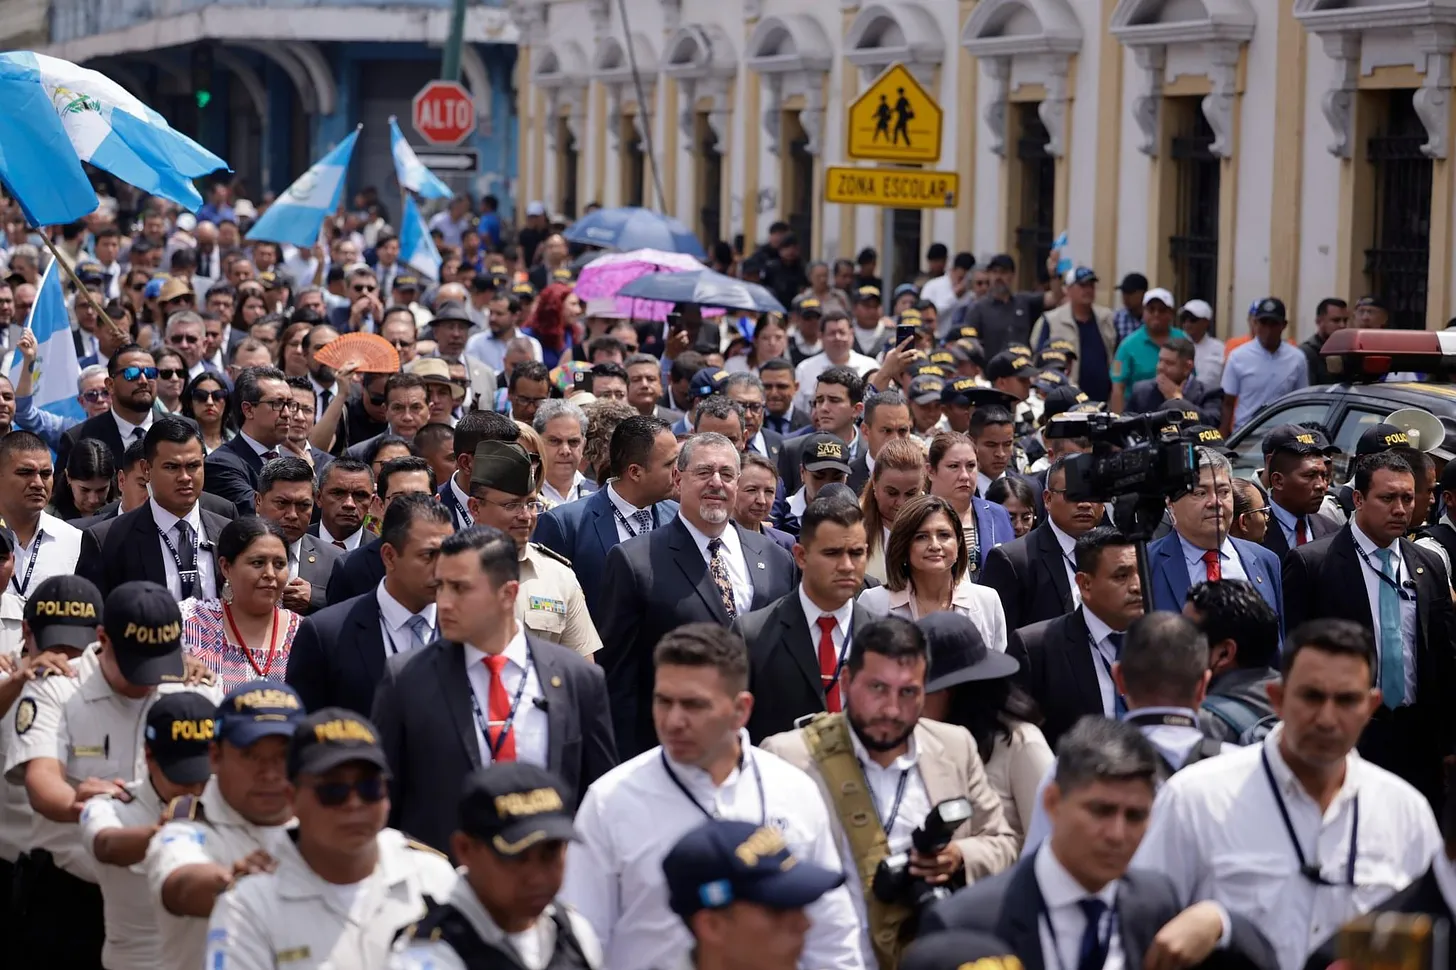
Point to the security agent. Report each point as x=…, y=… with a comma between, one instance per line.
x=233, y=828
x=116, y=829
x=95, y=720
x=340, y=857
x=515, y=824
x=742, y=893
x=823, y=460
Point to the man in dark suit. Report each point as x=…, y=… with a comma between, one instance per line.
x=886, y=419
x=634, y=502
x=1294, y=461
x=699, y=568
x=266, y=402
x=359, y=571
x=339, y=653
x=1369, y=573
x=779, y=388
x=1175, y=382
x=170, y=539
x=746, y=389
x=285, y=497
x=797, y=645
x=1103, y=767
x=486, y=691
x=132, y=395
x=1066, y=663
x=470, y=431
x=1035, y=576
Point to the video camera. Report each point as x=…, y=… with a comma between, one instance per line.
x=893, y=883
x=1136, y=454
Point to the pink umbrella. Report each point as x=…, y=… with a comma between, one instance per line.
x=604, y=276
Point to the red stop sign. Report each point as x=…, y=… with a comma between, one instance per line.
x=444, y=113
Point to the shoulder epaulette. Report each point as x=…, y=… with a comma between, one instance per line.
x=421, y=847
x=184, y=808
x=551, y=554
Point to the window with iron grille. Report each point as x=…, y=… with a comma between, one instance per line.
x=905, y=247
x=566, y=162
x=710, y=186
x=1037, y=205
x=1194, y=243
x=634, y=164
x=1398, y=259
x=799, y=190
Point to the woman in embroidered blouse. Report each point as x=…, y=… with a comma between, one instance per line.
x=245, y=635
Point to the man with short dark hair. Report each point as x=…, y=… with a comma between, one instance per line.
x=1175, y=381
x=47, y=546
x=266, y=403
x=285, y=497
x=344, y=492
x=406, y=406
x=132, y=395
x=1002, y=316
x=1330, y=315
x=1243, y=643
x=886, y=419
x=528, y=387
x=361, y=570
x=837, y=407
x=1298, y=479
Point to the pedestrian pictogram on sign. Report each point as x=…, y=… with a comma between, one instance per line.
x=895, y=120
x=444, y=113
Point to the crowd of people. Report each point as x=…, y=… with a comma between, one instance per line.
x=767, y=640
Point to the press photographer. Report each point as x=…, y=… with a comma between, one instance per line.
x=911, y=779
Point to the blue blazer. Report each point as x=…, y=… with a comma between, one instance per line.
x=1170, y=572
x=993, y=526
x=584, y=531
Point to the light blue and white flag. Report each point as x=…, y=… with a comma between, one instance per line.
x=1064, y=258
x=299, y=213
x=416, y=248
x=411, y=172
x=58, y=115
x=56, y=370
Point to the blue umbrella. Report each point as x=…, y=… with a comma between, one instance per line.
x=703, y=288
x=629, y=228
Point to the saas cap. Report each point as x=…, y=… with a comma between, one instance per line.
x=1270, y=308
x=722, y=862
x=504, y=466
x=1296, y=439
x=926, y=389
x=144, y=625
x=1007, y=364
x=825, y=452
x=958, y=653
x=256, y=710
x=331, y=737
x=64, y=611
x=960, y=950
x=1381, y=437
x=180, y=728
x=406, y=281
x=513, y=806
x=807, y=304
x=707, y=381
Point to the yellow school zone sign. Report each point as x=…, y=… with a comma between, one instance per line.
x=895, y=120
x=901, y=188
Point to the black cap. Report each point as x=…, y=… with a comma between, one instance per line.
x=806, y=304
x=1060, y=399
x=64, y=611
x=723, y=862
x=825, y=452
x=1381, y=437
x=957, y=949
x=1057, y=359
x=89, y=276
x=968, y=351
x=967, y=332
x=966, y=392
x=504, y=466
x=958, y=653
x=144, y=625
x=1296, y=439
x=406, y=281
x=1376, y=302
x=1006, y=364
x=330, y=737
x=1049, y=379
x=1270, y=308
x=1204, y=435
x=181, y=727
x=256, y=710
x=1063, y=346
x=1002, y=261
x=1133, y=283
x=513, y=806
x=707, y=381
x=926, y=389
x=867, y=294
x=524, y=290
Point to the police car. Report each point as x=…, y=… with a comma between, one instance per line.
x=1365, y=398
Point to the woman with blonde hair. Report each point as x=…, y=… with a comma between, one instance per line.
x=926, y=571
x=899, y=476
x=953, y=478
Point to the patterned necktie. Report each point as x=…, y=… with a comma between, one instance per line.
x=499, y=709
x=340, y=544
x=829, y=663
x=1092, y=954
x=1392, y=649
x=718, y=566
x=643, y=518
x=1213, y=565
x=1119, y=704
x=1301, y=532
x=270, y=456
x=186, y=560
x=419, y=628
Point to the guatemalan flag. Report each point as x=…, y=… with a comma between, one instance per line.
x=410, y=171
x=54, y=376
x=299, y=213
x=416, y=248
x=57, y=115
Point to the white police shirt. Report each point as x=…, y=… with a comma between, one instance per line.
x=614, y=872
x=292, y=918
x=132, y=942
x=54, y=550
x=1202, y=838
x=15, y=811
x=221, y=836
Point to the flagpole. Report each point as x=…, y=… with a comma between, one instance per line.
x=116, y=332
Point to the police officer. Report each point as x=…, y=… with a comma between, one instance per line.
x=515, y=823
x=234, y=828
x=340, y=858
x=503, y=494
x=115, y=830
x=79, y=737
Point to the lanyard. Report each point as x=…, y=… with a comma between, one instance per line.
x=461, y=516
x=1167, y=719
x=757, y=777
x=1312, y=871
x=505, y=726
x=393, y=648
x=189, y=578
x=1395, y=583
x=622, y=520
x=895, y=805
x=262, y=672
x=1106, y=666
x=23, y=585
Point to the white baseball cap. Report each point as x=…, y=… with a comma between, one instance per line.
x=535, y=208
x=1199, y=309
x=1159, y=294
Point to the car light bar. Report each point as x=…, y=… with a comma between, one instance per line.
x=1365, y=355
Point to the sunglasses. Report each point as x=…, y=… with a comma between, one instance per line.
x=184, y=338
x=134, y=373
x=378, y=399
x=365, y=288
x=170, y=373
x=332, y=794
x=95, y=397
x=202, y=395
x=401, y=344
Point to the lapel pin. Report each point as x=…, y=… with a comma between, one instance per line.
x=312, y=558
x=1420, y=569
x=555, y=681
x=762, y=566
x=1258, y=579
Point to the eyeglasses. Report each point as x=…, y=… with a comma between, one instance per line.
x=95, y=396
x=516, y=507
x=333, y=794
x=134, y=373
x=202, y=395
x=282, y=404
x=1265, y=511
x=752, y=407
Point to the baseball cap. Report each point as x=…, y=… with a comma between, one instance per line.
x=926, y=389
x=808, y=304
x=1159, y=295
x=1202, y=434
x=513, y=806
x=90, y=276
x=244, y=209
x=1133, y=283
x=1372, y=301
x=180, y=728
x=1180, y=413
x=723, y=862
x=1006, y=364
x=1381, y=437
x=1063, y=346
x=707, y=381
x=1060, y=399
x=434, y=370
x=1048, y=379
x=1270, y=308
x=535, y=208
x=1296, y=439
x=959, y=391
x=256, y=710
x=956, y=949
x=825, y=452
x=504, y=466
x=273, y=280
x=561, y=275
x=186, y=221
x=524, y=290
x=905, y=288
x=1002, y=261
x=1053, y=358
x=1198, y=308
x=64, y=611
x=406, y=281
x=144, y=625
x=943, y=358
x=1019, y=349
x=867, y=294
x=330, y=737
x=967, y=332
x=1080, y=274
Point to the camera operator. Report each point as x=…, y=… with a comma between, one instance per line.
x=879, y=760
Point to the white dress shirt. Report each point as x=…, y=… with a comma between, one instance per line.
x=626, y=509
x=614, y=873
x=1202, y=837
x=1229, y=564
x=1062, y=893
x=843, y=620
x=1370, y=570
x=350, y=544
x=55, y=546
x=530, y=725
x=462, y=500
x=258, y=447
x=319, y=406
x=394, y=622
x=573, y=492
x=206, y=586
x=1104, y=655
x=1068, y=545
x=128, y=430
x=295, y=549
x=732, y=556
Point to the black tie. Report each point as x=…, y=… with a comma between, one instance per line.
x=1093, y=952
x=324, y=400
x=186, y=560
x=137, y=434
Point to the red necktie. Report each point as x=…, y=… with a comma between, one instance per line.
x=829, y=663
x=1301, y=534
x=499, y=710
x=1211, y=563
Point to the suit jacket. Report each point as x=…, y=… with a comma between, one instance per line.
x=798, y=418
x=1206, y=399
x=338, y=655
x=783, y=664
x=1319, y=525
x=356, y=572
x=585, y=531
x=1422, y=896
x=993, y=526
x=210, y=503
x=423, y=711
x=1057, y=670
x=780, y=536
x=773, y=443
x=652, y=585
x=232, y=472
x=127, y=547
x=1009, y=905
x=1030, y=577
x=103, y=428
x=316, y=560
x=1170, y=572
x=670, y=415
x=859, y=474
